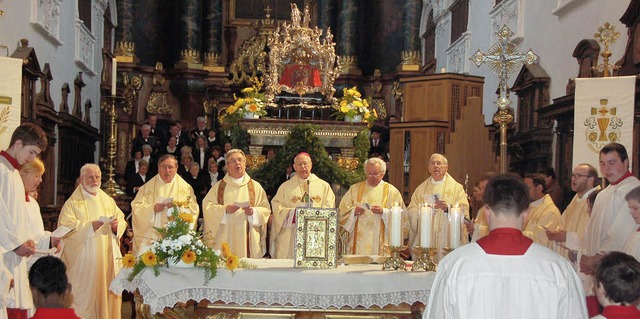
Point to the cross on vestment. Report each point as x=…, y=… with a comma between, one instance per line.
x=503, y=58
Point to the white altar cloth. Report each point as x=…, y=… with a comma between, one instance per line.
x=275, y=282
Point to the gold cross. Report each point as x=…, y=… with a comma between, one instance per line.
x=603, y=111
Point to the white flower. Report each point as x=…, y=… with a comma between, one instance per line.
x=185, y=239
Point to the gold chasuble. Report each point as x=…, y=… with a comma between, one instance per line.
x=543, y=215
x=481, y=226
x=144, y=218
x=367, y=234
x=246, y=234
x=574, y=221
x=291, y=195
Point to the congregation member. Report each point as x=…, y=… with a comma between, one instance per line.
x=198, y=183
x=376, y=144
x=185, y=164
x=505, y=274
x=632, y=244
x=132, y=166
x=31, y=174
x=27, y=141
x=441, y=190
x=304, y=189
x=201, y=130
x=50, y=289
x=365, y=209
x=575, y=217
x=217, y=155
x=154, y=198
x=618, y=286
x=236, y=211
x=480, y=225
x=160, y=132
x=212, y=139
x=610, y=223
x=543, y=214
x=171, y=149
x=552, y=187
x=146, y=138
x=213, y=174
x=92, y=253
x=138, y=179
x=182, y=139
x=200, y=151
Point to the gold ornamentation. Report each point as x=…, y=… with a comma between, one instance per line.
x=299, y=62
x=395, y=261
x=333, y=135
x=159, y=98
x=409, y=61
x=316, y=233
x=606, y=35
x=189, y=56
x=4, y=117
x=348, y=163
x=603, y=126
x=211, y=59
x=349, y=65
x=255, y=161
x=125, y=51
x=131, y=88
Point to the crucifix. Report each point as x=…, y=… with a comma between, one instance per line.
x=503, y=58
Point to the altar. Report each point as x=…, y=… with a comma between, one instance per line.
x=276, y=290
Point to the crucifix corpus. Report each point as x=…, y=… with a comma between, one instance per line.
x=503, y=58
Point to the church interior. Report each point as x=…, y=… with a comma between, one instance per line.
x=95, y=71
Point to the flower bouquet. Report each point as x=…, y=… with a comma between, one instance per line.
x=251, y=106
x=178, y=242
x=352, y=107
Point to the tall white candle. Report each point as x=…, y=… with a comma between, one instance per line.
x=396, y=226
x=114, y=75
x=455, y=222
x=425, y=226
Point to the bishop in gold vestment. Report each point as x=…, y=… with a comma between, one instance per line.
x=155, y=198
x=364, y=211
x=301, y=189
x=236, y=211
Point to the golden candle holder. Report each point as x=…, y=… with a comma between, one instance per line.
x=446, y=251
x=395, y=261
x=424, y=260
x=110, y=186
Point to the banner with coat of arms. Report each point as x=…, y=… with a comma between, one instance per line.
x=603, y=114
x=10, y=91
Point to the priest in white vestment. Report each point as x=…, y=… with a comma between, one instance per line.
x=92, y=251
x=300, y=190
x=27, y=141
x=365, y=211
x=236, y=211
x=576, y=216
x=150, y=207
x=543, y=214
x=440, y=190
x=505, y=274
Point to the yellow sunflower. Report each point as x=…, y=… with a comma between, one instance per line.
x=239, y=102
x=186, y=217
x=188, y=257
x=226, y=250
x=232, y=262
x=253, y=108
x=128, y=261
x=358, y=103
x=149, y=258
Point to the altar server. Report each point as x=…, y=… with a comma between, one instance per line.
x=303, y=189
x=236, y=211
x=543, y=213
x=632, y=244
x=441, y=190
x=576, y=216
x=505, y=274
x=155, y=198
x=27, y=141
x=618, y=286
x=364, y=211
x=92, y=251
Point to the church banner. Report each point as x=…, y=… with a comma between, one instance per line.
x=603, y=114
x=10, y=89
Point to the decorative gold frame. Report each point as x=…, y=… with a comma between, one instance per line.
x=298, y=45
x=316, y=238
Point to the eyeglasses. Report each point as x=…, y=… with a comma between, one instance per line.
x=576, y=176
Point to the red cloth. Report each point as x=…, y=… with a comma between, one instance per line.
x=621, y=312
x=55, y=313
x=299, y=73
x=627, y=174
x=17, y=313
x=13, y=161
x=505, y=241
x=593, y=306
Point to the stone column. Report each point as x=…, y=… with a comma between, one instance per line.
x=212, y=35
x=190, y=26
x=348, y=37
x=326, y=15
x=125, y=49
x=410, y=55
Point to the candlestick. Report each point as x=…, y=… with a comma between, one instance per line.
x=425, y=226
x=455, y=222
x=114, y=75
x=396, y=225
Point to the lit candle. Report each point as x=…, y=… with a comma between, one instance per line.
x=114, y=75
x=455, y=222
x=396, y=225
x=425, y=226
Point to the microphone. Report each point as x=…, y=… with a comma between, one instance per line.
x=308, y=193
